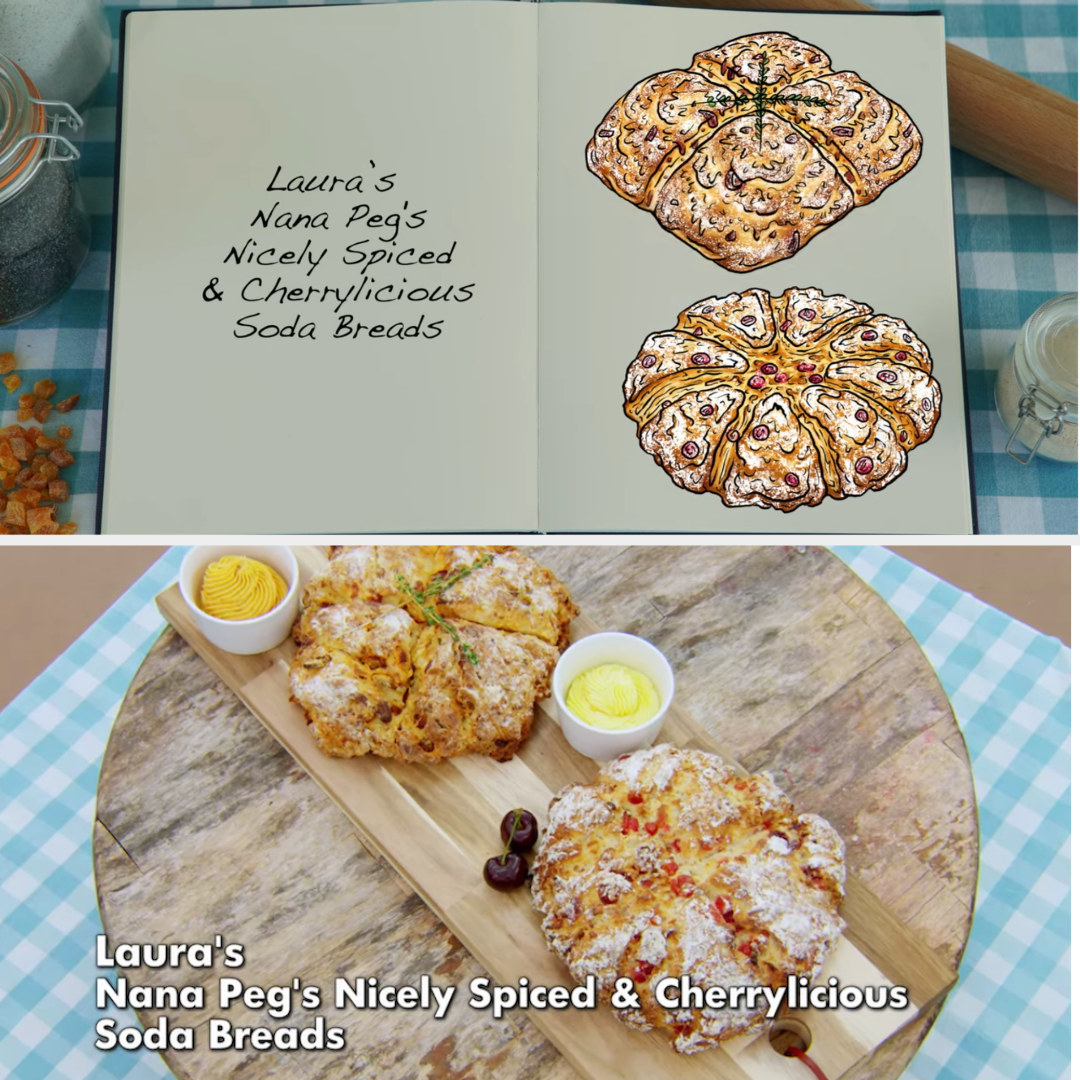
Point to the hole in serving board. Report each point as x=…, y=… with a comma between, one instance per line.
x=787, y=1034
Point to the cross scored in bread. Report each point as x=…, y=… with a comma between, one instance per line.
x=754, y=150
x=425, y=653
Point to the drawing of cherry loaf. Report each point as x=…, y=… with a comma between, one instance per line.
x=778, y=401
x=754, y=150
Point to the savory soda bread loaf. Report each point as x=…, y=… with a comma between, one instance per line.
x=425, y=653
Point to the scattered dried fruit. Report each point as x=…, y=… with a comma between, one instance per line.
x=27, y=496
x=30, y=484
x=30, y=460
x=42, y=519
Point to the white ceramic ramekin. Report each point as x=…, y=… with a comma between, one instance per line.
x=242, y=636
x=611, y=648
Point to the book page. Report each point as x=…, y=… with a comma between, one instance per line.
x=324, y=312
x=744, y=439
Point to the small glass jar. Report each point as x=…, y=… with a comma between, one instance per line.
x=44, y=231
x=1036, y=386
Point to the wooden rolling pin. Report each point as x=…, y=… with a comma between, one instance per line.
x=996, y=115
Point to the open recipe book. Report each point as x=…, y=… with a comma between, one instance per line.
x=492, y=266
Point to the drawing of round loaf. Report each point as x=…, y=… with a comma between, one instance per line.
x=778, y=401
x=754, y=150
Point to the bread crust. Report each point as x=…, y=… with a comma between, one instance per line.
x=671, y=863
x=754, y=150
x=373, y=676
x=781, y=401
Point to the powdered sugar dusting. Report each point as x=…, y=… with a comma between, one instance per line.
x=653, y=948
x=331, y=689
x=779, y=845
x=799, y=919
x=599, y=955
x=661, y=778
x=578, y=805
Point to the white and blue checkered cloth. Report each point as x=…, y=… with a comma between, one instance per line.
x=1007, y=1019
x=1016, y=249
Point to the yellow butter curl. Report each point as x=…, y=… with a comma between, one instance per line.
x=613, y=696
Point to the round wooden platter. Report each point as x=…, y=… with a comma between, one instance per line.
x=205, y=825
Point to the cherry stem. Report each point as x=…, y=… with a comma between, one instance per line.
x=510, y=837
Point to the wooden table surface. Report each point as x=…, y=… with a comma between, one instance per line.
x=206, y=826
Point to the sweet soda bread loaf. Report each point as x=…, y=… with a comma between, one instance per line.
x=778, y=401
x=375, y=674
x=754, y=150
x=671, y=863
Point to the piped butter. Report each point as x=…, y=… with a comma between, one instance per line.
x=614, y=697
x=238, y=587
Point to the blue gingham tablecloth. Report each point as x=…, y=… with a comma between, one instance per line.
x=1017, y=248
x=1007, y=1019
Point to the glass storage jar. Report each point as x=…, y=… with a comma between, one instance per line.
x=63, y=45
x=44, y=231
x=1036, y=385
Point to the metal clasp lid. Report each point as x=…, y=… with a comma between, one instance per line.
x=1051, y=425
x=60, y=148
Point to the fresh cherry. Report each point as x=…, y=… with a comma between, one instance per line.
x=519, y=830
x=507, y=871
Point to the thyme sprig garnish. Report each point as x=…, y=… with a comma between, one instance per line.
x=443, y=581
x=436, y=587
x=760, y=99
x=721, y=99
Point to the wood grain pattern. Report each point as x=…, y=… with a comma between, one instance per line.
x=995, y=114
x=216, y=825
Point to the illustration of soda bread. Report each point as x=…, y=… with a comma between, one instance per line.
x=672, y=864
x=754, y=150
x=778, y=401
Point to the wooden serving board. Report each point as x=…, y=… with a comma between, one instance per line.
x=437, y=824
